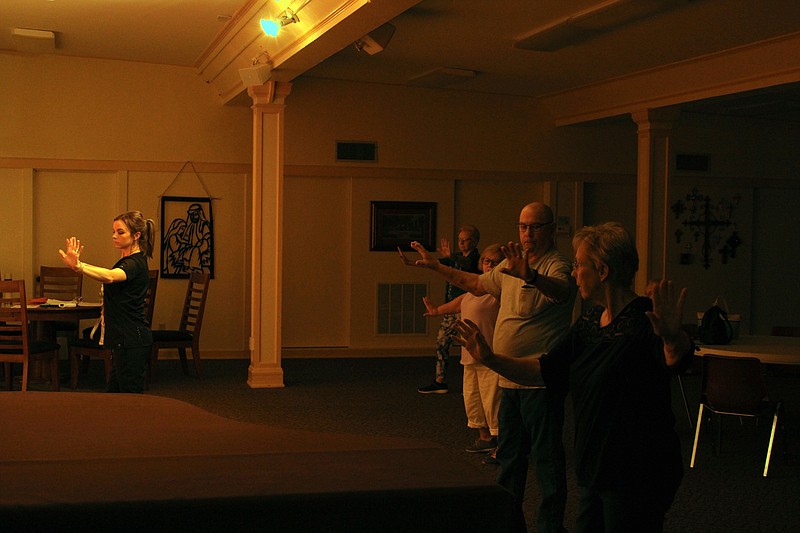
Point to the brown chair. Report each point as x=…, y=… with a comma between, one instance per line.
x=16, y=345
x=61, y=283
x=188, y=333
x=785, y=331
x=88, y=346
x=735, y=386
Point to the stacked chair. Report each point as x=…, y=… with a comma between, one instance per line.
x=188, y=333
x=16, y=345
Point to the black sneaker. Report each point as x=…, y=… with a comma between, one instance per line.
x=482, y=446
x=491, y=460
x=434, y=388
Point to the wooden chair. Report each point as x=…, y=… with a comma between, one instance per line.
x=188, y=333
x=16, y=345
x=735, y=386
x=61, y=283
x=88, y=346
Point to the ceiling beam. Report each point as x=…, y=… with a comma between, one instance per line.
x=755, y=66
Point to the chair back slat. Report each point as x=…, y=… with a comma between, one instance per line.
x=11, y=315
x=14, y=339
x=194, y=305
x=59, y=283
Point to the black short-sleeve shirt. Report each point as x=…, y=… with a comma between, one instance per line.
x=124, y=305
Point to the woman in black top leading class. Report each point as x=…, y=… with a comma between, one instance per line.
x=123, y=325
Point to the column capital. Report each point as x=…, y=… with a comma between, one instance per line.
x=655, y=119
x=271, y=92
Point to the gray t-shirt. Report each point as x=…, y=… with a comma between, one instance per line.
x=529, y=322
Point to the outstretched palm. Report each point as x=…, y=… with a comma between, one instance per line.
x=425, y=260
x=667, y=314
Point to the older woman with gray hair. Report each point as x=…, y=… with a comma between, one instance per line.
x=617, y=361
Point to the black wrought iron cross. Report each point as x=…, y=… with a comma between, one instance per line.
x=706, y=223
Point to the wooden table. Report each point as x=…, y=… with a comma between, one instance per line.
x=83, y=311
x=768, y=349
x=47, y=317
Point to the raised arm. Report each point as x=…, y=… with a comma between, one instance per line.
x=666, y=318
x=448, y=308
x=72, y=259
x=468, y=281
x=444, y=248
x=525, y=371
x=517, y=265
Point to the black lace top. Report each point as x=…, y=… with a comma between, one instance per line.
x=620, y=386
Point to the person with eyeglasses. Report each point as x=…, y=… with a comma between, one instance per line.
x=466, y=259
x=480, y=384
x=617, y=361
x=536, y=294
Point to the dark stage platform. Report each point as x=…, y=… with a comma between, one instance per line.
x=93, y=461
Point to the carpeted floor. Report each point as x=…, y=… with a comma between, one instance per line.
x=377, y=396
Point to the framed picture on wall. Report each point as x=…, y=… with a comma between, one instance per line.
x=187, y=236
x=394, y=224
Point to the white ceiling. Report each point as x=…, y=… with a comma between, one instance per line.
x=472, y=35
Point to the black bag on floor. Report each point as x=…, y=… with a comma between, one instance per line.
x=715, y=328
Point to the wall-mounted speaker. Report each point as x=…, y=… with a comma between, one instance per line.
x=376, y=40
x=255, y=75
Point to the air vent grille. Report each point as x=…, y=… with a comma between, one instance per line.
x=400, y=308
x=691, y=162
x=356, y=151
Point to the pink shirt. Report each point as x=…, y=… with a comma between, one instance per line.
x=483, y=311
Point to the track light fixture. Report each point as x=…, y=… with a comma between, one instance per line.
x=288, y=16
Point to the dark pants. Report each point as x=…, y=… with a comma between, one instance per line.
x=622, y=510
x=531, y=423
x=128, y=369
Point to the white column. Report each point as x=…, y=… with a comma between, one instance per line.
x=267, y=227
x=652, y=184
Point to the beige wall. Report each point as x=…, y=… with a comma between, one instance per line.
x=82, y=139
x=87, y=109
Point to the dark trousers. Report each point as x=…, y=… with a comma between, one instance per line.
x=531, y=423
x=128, y=369
x=624, y=510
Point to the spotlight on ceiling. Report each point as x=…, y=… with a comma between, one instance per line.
x=273, y=26
x=288, y=16
x=376, y=40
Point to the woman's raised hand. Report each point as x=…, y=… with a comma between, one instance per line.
x=425, y=260
x=72, y=256
x=667, y=314
x=444, y=248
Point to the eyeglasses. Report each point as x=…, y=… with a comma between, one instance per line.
x=576, y=265
x=535, y=227
x=487, y=261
